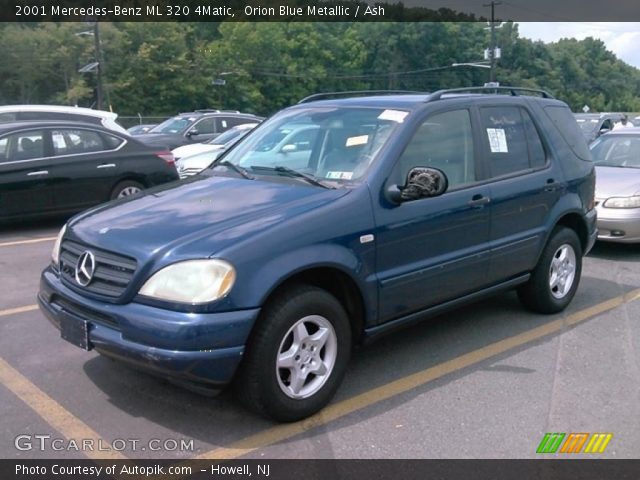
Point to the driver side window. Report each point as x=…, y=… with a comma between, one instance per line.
x=443, y=141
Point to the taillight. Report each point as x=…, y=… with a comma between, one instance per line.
x=167, y=156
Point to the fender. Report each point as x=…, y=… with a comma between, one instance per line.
x=264, y=281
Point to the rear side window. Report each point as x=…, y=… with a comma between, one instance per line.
x=70, y=142
x=512, y=140
x=565, y=122
x=112, y=142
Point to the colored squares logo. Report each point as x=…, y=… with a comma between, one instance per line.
x=574, y=443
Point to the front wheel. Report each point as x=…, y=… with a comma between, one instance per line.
x=297, y=355
x=555, y=279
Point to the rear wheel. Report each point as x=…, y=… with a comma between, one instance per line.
x=555, y=279
x=126, y=189
x=297, y=355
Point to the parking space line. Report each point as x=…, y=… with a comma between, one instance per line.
x=53, y=413
x=13, y=311
x=24, y=242
x=337, y=410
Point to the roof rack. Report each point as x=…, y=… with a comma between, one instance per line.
x=326, y=95
x=207, y=110
x=514, y=91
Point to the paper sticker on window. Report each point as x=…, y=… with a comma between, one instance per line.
x=340, y=175
x=393, y=115
x=224, y=124
x=497, y=140
x=360, y=140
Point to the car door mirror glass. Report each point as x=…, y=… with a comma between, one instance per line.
x=423, y=182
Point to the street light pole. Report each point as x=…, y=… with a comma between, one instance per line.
x=492, y=48
x=96, y=37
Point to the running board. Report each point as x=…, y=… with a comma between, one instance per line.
x=372, y=333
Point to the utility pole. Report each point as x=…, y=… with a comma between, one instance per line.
x=493, y=46
x=96, y=38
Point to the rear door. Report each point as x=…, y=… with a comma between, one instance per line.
x=525, y=184
x=26, y=184
x=85, y=166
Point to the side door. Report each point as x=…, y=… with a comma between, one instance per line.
x=26, y=185
x=85, y=166
x=435, y=249
x=525, y=185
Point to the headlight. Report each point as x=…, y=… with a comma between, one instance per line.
x=55, y=253
x=191, y=281
x=622, y=202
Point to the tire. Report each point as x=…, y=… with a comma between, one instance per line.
x=125, y=189
x=555, y=278
x=302, y=330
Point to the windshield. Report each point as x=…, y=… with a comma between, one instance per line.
x=587, y=125
x=617, y=151
x=334, y=144
x=173, y=125
x=229, y=137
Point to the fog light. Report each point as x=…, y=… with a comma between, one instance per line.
x=617, y=233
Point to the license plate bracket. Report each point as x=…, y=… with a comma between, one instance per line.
x=75, y=330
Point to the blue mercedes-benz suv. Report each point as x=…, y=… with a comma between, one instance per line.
x=380, y=210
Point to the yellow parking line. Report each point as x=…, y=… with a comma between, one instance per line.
x=24, y=242
x=405, y=384
x=53, y=413
x=13, y=311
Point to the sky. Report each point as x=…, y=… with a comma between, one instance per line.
x=622, y=38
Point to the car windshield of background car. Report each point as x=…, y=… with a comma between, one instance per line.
x=617, y=151
x=173, y=125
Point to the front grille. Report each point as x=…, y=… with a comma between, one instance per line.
x=112, y=274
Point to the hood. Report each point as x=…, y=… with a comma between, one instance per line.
x=617, y=182
x=164, y=140
x=201, y=160
x=195, y=218
x=193, y=149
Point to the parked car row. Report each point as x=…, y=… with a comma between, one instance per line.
x=56, y=159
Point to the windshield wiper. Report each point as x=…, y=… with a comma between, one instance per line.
x=296, y=174
x=235, y=168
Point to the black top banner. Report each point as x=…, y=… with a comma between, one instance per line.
x=317, y=10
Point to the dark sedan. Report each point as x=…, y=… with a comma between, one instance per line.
x=63, y=167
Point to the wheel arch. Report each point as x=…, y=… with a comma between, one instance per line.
x=335, y=281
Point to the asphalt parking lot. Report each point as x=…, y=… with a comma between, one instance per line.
x=486, y=381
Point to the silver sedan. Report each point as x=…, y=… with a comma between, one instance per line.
x=617, y=159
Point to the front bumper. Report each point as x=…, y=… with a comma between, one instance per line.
x=187, y=348
x=619, y=225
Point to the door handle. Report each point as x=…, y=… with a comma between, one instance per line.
x=478, y=201
x=39, y=172
x=552, y=185
x=106, y=165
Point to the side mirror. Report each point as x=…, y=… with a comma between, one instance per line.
x=193, y=131
x=422, y=182
x=289, y=148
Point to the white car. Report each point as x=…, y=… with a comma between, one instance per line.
x=17, y=113
x=222, y=141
